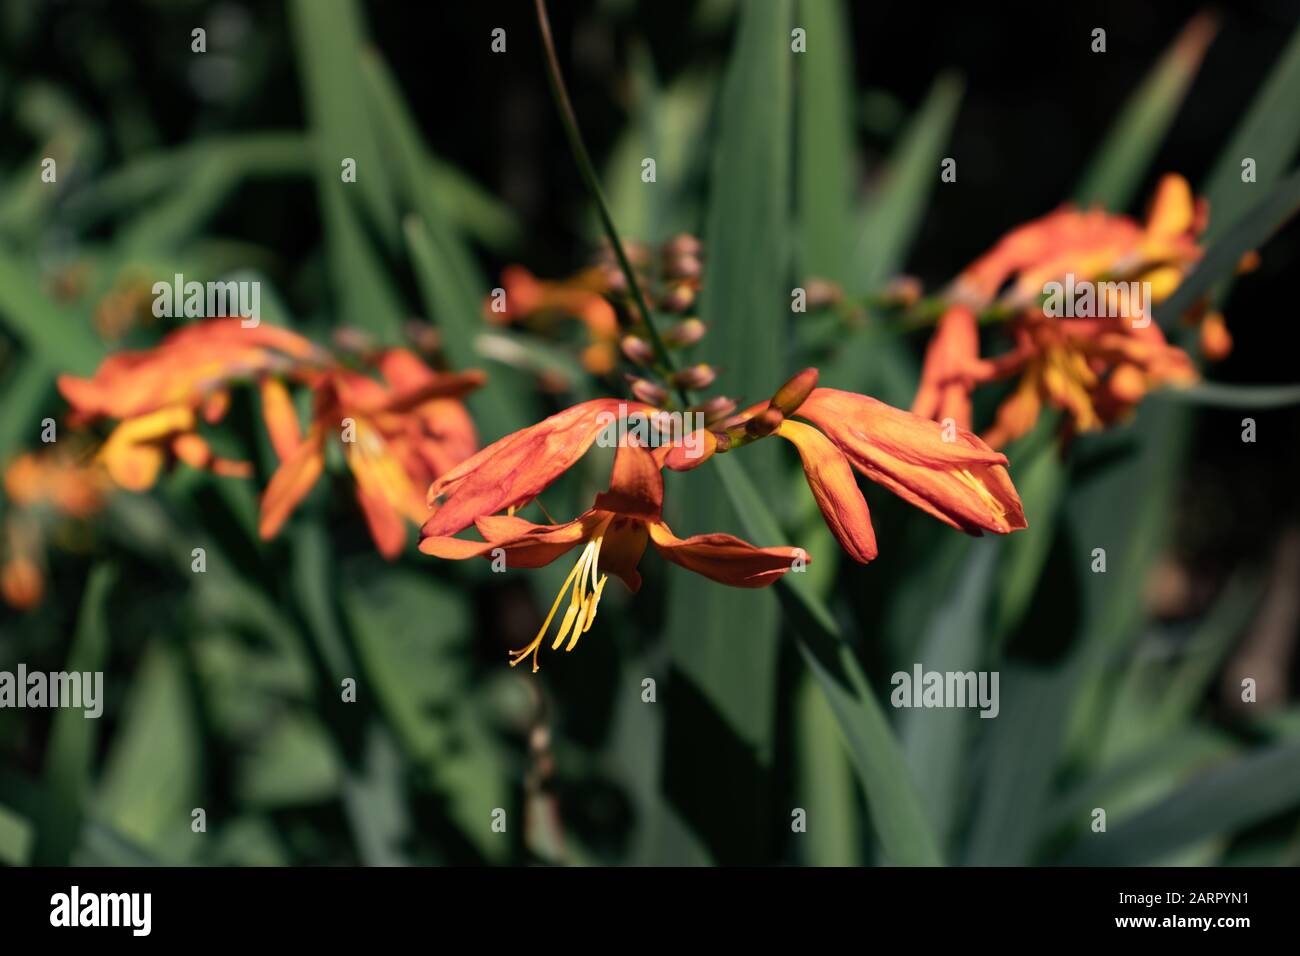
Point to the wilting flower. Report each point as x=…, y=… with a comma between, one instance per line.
x=536, y=301
x=613, y=533
x=159, y=395
x=397, y=437
x=944, y=470
x=1095, y=367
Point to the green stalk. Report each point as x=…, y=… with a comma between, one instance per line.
x=583, y=158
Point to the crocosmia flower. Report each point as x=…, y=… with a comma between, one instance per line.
x=613, y=535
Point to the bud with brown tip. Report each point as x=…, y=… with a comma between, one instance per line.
x=792, y=394
x=765, y=422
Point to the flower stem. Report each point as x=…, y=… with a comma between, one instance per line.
x=580, y=154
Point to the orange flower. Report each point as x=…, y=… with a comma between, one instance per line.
x=160, y=394
x=532, y=300
x=397, y=437
x=952, y=366
x=514, y=470
x=944, y=470
x=1090, y=244
x=1095, y=370
x=73, y=487
x=615, y=532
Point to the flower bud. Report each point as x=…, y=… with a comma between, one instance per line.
x=822, y=292
x=683, y=267
x=678, y=298
x=904, y=291
x=695, y=377
x=792, y=394
x=648, y=392
x=1216, y=340
x=682, y=244
x=715, y=409
x=765, y=422
x=686, y=332
x=637, y=350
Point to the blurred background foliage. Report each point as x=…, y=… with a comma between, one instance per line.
x=1119, y=690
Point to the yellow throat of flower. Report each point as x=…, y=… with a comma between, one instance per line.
x=584, y=584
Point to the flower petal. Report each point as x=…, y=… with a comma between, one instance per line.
x=518, y=467
x=725, y=558
x=836, y=489
x=291, y=482
x=962, y=482
x=636, y=487
x=281, y=417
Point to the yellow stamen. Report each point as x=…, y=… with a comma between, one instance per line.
x=582, y=602
x=996, y=508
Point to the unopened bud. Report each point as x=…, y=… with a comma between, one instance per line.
x=637, y=350
x=683, y=267
x=1216, y=340
x=715, y=409
x=793, y=393
x=695, y=377
x=682, y=244
x=686, y=332
x=822, y=293
x=648, y=392
x=348, y=339
x=904, y=291
x=765, y=422
x=678, y=298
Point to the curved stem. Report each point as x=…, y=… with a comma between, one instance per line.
x=580, y=154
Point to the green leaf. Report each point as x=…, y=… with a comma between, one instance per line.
x=151, y=778
x=70, y=755
x=1249, y=232
x=894, y=209
x=57, y=335
x=896, y=810
x=1217, y=802
x=16, y=838
x=721, y=717
x=824, y=157
x=328, y=37
x=1122, y=160
x=825, y=782
x=1226, y=395
x=936, y=742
